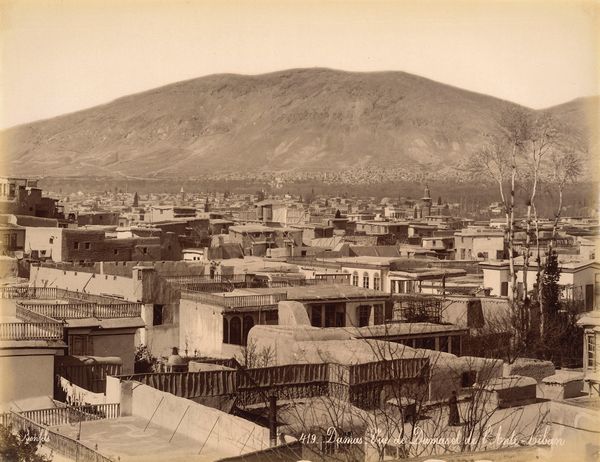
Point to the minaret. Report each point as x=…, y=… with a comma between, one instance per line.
x=182, y=196
x=426, y=201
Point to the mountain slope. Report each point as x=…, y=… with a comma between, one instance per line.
x=304, y=119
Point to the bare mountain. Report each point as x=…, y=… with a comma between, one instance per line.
x=303, y=120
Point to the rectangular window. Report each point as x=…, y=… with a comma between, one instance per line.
x=315, y=317
x=467, y=379
x=455, y=345
x=79, y=345
x=366, y=281
x=591, y=351
x=427, y=343
x=376, y=282
x=116, y=251
x=330, y=317
x=51, y=240
x=589, y=297
x=87, y=245
x=271, y=317
x=379, y=315
x=504, y=289
x=364, y=313
x=340, y=319
x=76, y=245
x=444, y=344
x=157, y=315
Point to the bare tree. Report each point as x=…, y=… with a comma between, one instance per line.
x=406, y=417
x=541, y=140
x=499, y=161
x=252, y=357
x=564, y=166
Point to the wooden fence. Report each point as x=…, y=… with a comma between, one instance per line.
x=389, y=370
x=361, y=384
x=92, y=377
x=189, y=384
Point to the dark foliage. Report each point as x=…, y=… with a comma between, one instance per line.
x=21, y=446
x=144, y=361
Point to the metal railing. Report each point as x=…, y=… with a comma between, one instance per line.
x=417, y=308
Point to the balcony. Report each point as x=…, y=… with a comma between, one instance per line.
x=60, y=310
x=234, y=301
x=30, y=331
x=55, y=303
x=27, y=325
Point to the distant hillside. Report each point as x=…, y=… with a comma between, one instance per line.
x=298, y=120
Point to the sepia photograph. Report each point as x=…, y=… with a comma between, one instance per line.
x=299, y=230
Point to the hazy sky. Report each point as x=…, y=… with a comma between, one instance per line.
x=61, y=56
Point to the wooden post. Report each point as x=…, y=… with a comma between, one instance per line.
x=273, y=419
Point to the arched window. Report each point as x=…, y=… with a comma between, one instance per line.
x=225, y=331
x=376, y=282
x=363, y=314
x=366, y=280
x=355, y=278
x=235, y=331
x=248, y=324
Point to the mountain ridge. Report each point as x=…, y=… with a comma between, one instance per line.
x=293, y=120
